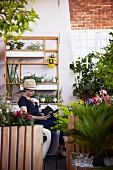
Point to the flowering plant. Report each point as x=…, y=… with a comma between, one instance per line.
x=100, y=98
x=10, y=118
x=22, y=119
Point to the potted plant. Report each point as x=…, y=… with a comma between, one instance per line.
x=35, y=46
x=12, y=76
x=18, y=130
x=10, y=118
x=51, y=60
x=11, y=45
x=92, y=129
x=19, y=44
x=94, y=72
x=42, y=98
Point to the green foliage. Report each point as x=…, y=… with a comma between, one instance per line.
x=37, y=46
x=94, y=76
x=9, y=118
x=19, y=44
x=93, y=128
x=15, y=18
x=88, y=82
x=33, y=76
x=105, y=64
x=15, y=44
x=62, y=119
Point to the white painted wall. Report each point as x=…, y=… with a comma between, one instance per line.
x=55, y=21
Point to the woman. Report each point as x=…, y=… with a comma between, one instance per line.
x=29, y=104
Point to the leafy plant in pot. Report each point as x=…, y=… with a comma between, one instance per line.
x=94, y=72
x=93, y=130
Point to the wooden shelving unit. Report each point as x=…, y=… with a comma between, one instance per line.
x=24, y=61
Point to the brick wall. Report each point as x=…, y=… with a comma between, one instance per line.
x=91, y=14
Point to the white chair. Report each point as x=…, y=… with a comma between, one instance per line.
x=54, y=146
x=47, y=143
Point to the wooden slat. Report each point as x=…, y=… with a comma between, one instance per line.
x=28, y=146
x=37, y=147
x=70, y=147
x=37, y=37
x=5, y=148
x=13, y=148
x=0, y=145
x=20, y=148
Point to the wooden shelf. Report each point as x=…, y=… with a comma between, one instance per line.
x=38, y=37
x=29, y=63
x=34, y=62
x=13, y=83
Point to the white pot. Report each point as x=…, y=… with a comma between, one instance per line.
x=42, y=80
x=54, y=80
x=43, y=100
x=55, y=99
x=21, y=87
x=7, y=47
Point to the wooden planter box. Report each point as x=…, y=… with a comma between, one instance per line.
x=73, y=148
x=27, y=54
x=21, y=147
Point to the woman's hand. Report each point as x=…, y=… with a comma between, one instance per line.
x=45, y=117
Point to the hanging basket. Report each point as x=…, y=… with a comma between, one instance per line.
x=51, y=62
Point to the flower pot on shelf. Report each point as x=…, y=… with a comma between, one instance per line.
x=51, y=61
x=54, y=80
x=42, y=80
x=55, y=100
x=42, y=99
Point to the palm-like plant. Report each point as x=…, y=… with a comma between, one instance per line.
x=93, y=130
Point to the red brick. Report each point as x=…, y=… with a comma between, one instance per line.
x=91, y=14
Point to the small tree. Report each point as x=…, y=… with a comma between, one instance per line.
x=105, y=65
x=86, y=82
x=94, y=76
x=15, y=18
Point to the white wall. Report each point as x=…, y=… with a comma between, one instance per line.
x=55, y=21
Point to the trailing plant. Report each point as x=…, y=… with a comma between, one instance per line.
x=15, y=18
x=12, y=76
x=60, y=96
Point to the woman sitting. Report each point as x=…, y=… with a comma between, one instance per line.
x=29, y=104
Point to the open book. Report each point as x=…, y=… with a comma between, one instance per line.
x=49, y=109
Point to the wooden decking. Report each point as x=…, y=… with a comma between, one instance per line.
x=51, y=163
